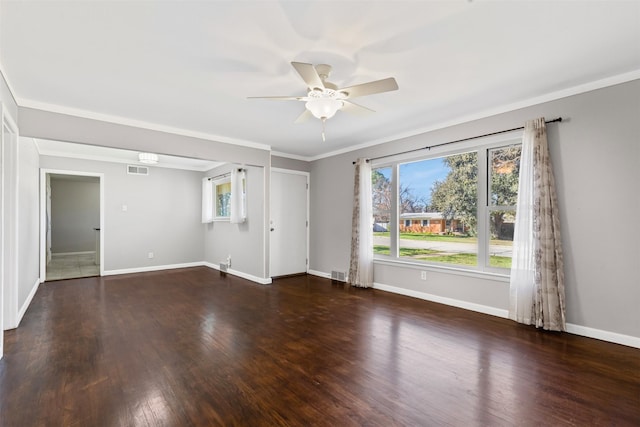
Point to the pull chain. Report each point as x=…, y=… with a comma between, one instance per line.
x=324, y=119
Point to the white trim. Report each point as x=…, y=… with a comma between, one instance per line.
x=10, y=274
x=27, y=302
x=43, y=215
x=240, y=274
x=9, y=85
x=552, y=96
x=485, y=309
x=319, y=274
x=152, y=268
x=290, y=156
x=118, y=120
x=584, y=331
x=266, y=209
x=186, y=265
x=599, y=334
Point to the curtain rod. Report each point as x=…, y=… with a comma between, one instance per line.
x=224, y=175
x=429, y=147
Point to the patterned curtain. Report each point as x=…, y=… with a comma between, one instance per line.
x=537, y=276
x=361, y=265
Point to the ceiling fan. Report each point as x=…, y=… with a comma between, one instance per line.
x=324, y=98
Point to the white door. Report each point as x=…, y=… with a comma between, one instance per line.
x=288, y=222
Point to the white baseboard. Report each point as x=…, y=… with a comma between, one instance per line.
x=584, y=331
x=599, y=334
x=485, y=309
x=320, y=274
x=233, y=272
x=27, y=302
x=152, y=268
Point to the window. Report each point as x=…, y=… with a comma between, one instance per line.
x=222, y=192
x=463, y=203
x=504, y=169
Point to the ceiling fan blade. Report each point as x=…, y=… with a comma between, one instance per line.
x=353, y=108
x=280, y=98
x=306, y=115
x=378, y=86
x=309, y=75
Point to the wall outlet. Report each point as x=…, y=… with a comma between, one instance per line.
x=124, y=208
x=229, y=261
x=150, y=255
x=423, y=275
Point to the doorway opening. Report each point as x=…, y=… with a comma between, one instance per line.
x=72, y=225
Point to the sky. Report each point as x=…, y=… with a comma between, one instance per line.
x=420, y=176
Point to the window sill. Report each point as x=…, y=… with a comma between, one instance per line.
x=486, y=275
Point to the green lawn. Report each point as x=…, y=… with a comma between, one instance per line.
x=404, y=252
x=442, y=238
x=448, y=258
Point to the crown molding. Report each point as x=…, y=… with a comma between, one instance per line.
x=4, y=76
x=290, y=156
x=53, y=108
x=551, y=96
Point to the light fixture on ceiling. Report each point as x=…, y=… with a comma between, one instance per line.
x=324, y=104
x=148, y=158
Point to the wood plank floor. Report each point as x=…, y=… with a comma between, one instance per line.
x=194, y=347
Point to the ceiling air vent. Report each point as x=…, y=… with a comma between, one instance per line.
x=137, y=170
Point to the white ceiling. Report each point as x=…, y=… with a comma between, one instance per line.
x=191, y=65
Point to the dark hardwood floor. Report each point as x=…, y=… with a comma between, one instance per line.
x=194, y=347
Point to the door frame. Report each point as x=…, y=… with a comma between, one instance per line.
x=308, y=176
x=43, y=215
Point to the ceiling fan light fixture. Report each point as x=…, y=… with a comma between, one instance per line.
x=323, y=104
x=148, y=158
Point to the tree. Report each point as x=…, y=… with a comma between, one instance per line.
x=505, y=172
x=381, y=198
x=457, y=196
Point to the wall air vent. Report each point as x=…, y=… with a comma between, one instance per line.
x=340, y=276
x=137, y=170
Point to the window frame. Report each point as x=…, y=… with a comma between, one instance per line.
x=482, y=147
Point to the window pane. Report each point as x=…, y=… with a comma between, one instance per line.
x=501, y=225
x=504, y=169
x=438, y=204
x=381, y=197
x=223, y=197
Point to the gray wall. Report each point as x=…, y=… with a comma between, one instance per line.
x=244, y=242
x=163, y=213
x=596, y=161
x=28, y=219
x=75, y=212
x=62, y=127
x=287, y=163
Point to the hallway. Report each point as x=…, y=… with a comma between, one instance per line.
x=71, y=266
